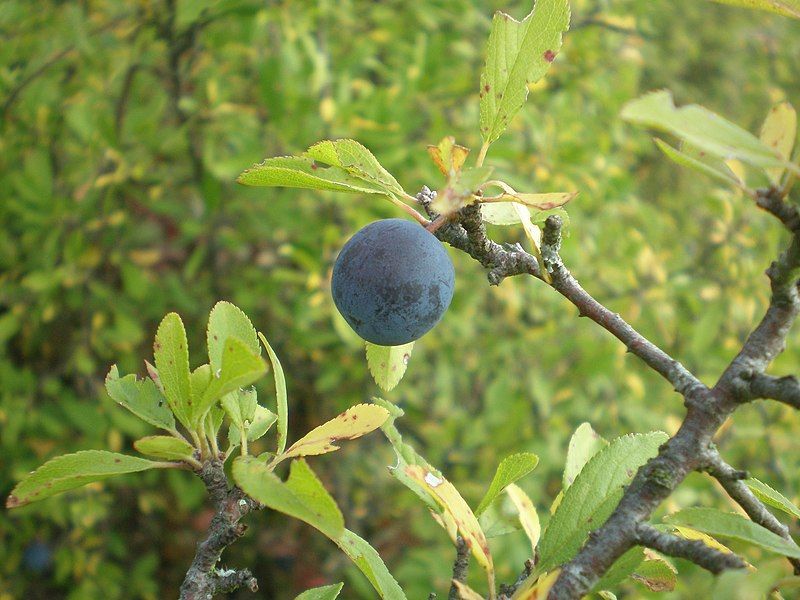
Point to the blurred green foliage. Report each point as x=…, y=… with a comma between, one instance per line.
x=123, y=126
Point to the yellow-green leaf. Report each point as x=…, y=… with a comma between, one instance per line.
x=528, y=516
x=280, y=393
x=227, y=320
x=388, y=364
x=351, y=424
x=779, y=132
x=519, y=53
x=465, y=592
x=448, y=156
x=171, y=353
x=511, y=469
x=74, y=470
x=140, y=396
x=456, y=509
x=166, y=447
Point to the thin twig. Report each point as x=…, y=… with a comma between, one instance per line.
x=696, y=551
x=460, y=567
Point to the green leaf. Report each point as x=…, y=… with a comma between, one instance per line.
x=685, y=160
x=304, y=172
x=280, y=394
x=656, y=574
x=171, y=352
x=74, y=470
x=240, y=367
x=787, y=8
x=622, y=568
x=772, y=497
x=227, y=320
x=367, y=559
x=199, y=380
x=729, y=525
x=263, y=419
x=519, y=54
x=460, y=189
x=583, y=445
x=388, y=364
x=779, y=131
x=356, y=421
x=702, y=129
x=165, y=447
x=240, y=406
x=748, y=585
x=141, y=397
x=328, y=592
x=594, y=494
x=358, y=162
x=528, y=516
x=302, y=496
x=511, y=469
x=213, y=421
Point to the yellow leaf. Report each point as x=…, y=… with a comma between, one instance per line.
x=528, y=516
x=778, y=132
x=351, y=424
x=455, y=507
x=448, y=156
x=538, y=588
x=465, y=592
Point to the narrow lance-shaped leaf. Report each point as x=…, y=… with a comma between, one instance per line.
x=787, y=8
x=715, y=522
x=519, y=53
x=527, y=514
x=511, y=469
x=686, y=160
x=351, y=424
x=702, y=129
x=227, y=320
x=388, y=364
x=72, y=471
x=171, y=353
x=141, y=397
x=459, y=512
x=772, y=497
x=165, y=447
x=280, y=393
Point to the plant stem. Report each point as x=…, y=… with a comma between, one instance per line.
x=482, y=154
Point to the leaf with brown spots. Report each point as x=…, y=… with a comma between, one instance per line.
x=456, y=510
x=74, y=470
x=448, y=156
x=519, y=53
x=388, y=364
x=171, y=353
x=351, y=424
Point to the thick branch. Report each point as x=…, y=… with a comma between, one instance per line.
x=696, y=551
x=469, y=235
x=203, y=580
x=783, y=389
